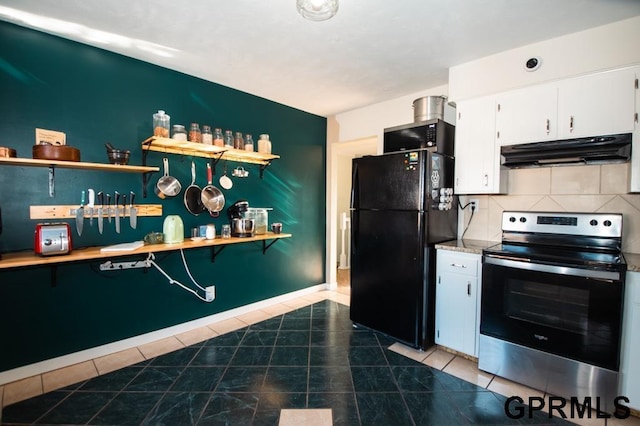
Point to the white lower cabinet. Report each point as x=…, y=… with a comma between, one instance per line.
x=630, y=360
x=457, y=300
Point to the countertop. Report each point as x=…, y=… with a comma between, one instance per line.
x=466, y=246
x=476, y=247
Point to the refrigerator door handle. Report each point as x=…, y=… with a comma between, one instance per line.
x=355, y=186
x=355, y=230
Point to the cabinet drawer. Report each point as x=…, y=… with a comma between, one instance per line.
x=458, y=263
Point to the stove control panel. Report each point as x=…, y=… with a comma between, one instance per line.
x=587, y=224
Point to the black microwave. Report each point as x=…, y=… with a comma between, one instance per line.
x=435, y=135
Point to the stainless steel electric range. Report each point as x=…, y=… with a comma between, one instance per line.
x=551, y=303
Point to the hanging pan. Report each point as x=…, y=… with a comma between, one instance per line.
x=225, y=181
x=192, y=195
x=212, y=198
x=167, y=186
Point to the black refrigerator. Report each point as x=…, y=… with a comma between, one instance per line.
x=402, y=204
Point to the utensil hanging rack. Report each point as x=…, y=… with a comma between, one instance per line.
x=212, y=152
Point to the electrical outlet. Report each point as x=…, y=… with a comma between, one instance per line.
x=475, y=204
x=210, y=293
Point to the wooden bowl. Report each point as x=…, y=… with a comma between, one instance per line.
x=56, y=152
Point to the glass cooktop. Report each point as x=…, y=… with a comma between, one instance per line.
x=560, y=256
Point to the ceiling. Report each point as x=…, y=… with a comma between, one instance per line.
x=371, y=51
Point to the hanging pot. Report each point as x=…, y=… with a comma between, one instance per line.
x=212, y=198
x=192, y=195
x=167, y=186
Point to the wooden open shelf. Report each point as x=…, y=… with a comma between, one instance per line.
x=77, y=165
x=172, y=146
x=22, y=259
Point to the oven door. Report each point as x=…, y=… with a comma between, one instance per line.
x=571, y=312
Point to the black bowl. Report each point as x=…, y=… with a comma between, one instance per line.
x=118, y=156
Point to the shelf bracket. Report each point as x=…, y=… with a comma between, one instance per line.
x=215, y=252
x=146, y=177
x=264, y=166
x=214, y=162
x=266, y=246
x=52, y=181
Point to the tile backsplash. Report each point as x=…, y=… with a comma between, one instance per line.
x=592, y=188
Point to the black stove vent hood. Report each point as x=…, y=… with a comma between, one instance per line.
x=592, y=150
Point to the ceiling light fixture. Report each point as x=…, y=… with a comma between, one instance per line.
x=317, y=10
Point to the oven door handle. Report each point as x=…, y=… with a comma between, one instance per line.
x=552, y=269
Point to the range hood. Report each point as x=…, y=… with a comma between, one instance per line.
x=592, y=150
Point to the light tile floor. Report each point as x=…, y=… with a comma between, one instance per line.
x=434, y=357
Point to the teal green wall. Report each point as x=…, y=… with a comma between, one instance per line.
x=95, y=97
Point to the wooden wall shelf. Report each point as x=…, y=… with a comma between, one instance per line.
x=23, y=259
x=172, y=146
x=77, y=165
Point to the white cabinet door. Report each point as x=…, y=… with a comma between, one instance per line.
x=598, y=104
x=527, y=115
x=630, y=357
x=477, y=166
x=456, y=301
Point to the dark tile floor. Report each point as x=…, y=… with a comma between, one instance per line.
x=308, y=358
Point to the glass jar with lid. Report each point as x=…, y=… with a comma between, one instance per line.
x=217, y=137
x=161, y=124
x=264, y=144
x=179, y=133
x=207, y=136
x=228, y=138
x=238, y=142
x=194, y=133
x=248, y=142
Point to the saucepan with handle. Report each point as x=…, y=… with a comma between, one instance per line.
x=212, y=198
x=167, y=186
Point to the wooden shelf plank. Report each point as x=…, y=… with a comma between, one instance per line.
x=172, y=146
x=77, y=165
x=23, y=259
x=69, y=211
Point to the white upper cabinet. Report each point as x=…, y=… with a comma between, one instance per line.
x=597, y=104
x=527, y=115
x=477, y=166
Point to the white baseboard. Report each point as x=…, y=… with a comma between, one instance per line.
x=30, y=370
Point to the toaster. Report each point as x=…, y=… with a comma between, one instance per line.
x=52, y=239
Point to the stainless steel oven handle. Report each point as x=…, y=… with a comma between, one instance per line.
x=537, y=267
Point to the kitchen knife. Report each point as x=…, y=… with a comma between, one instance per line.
x=109, y=207
x=80, y=215
x=100, y=209
x=90, y=204
x=116, y=204
x=133, y=211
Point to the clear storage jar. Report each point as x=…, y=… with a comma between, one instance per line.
x=218, y=140
x=179, y=133
x=264, y=144
x=238, y=142
x=248, y=142
x=194, y=133
x=207, y=136
x=228, y=138
x=161, y=124
x=260, y=217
